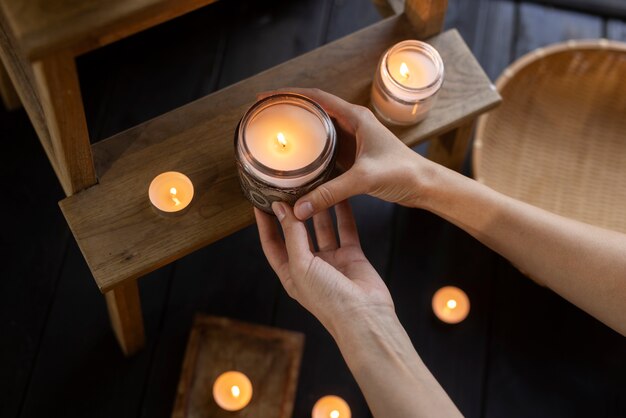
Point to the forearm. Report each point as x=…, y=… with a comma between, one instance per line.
x=584, y=264
x=392, y=377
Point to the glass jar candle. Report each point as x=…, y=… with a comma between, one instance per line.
x=406, y=83
x=285, y=146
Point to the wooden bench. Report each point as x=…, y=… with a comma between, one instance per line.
x=118, y=233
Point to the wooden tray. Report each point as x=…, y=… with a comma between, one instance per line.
x=270, y=357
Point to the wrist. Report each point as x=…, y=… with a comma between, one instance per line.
x=426, y=175
x=361, y=323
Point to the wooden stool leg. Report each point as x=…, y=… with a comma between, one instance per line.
x=126, y=319
x=9, y=96
x=450, y=149
x=56, y=81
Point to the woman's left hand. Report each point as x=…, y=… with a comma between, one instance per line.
x=334, y=282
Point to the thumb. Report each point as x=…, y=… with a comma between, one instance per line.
x=327, y=195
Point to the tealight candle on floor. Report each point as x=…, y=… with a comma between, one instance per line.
x=170, y=192
x=285, y=146
x=331, y=406
x=232, y=391
x=451, y=304
x=406, y=83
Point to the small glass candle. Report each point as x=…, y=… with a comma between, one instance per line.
x=232, y=391
x=170, y=193
x=285, y=146
x=331, y=406
x=451, y=304
x=406, y=83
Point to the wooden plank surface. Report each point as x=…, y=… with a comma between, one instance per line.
x=599, y=7
x=43, y=28
x=495, y=35
x=114, y=224
x=430, y=253
x=540, y=26
x=33, y=246
x=118, y=96
x=80, y=369
x=269, y=357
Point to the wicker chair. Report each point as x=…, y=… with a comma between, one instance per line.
x=558, y=141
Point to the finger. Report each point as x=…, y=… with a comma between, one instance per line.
x=348, y=234
x=346, y=114
x=328, y=195
x=296, y=236
x=271, y=241
x=325, y=231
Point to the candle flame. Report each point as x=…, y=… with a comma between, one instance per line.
x=451, y=304
x=281, y=139
x=404, y=70
x=173, y=192
x=334, y=414
x=235, y=391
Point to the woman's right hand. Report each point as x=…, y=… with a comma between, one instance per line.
x=373, y=159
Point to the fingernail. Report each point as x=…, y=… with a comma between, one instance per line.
x=304, y=210
x=279, y=210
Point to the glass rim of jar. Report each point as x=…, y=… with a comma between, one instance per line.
x=423, y=48
x=304, y=102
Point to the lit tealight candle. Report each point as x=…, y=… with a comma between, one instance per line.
x=331, y=407
x=406, y=83
x=451, y=304
x=285, y=146
x=170, y=192
x=232, y=391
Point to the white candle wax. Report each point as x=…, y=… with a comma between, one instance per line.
x=408, y=79
x=285, y=137
x=411, y=69
x=451, y=304
x=331, y=406
x=232, y=391
x=170, y=192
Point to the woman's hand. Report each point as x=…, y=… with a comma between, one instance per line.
x=375, y=161
x=335, y=282
x=341, y=288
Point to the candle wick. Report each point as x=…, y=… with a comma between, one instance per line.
x=404, y=70
x=281, y=140
x=173, y=192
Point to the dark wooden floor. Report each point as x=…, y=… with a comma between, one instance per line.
x=523, y=351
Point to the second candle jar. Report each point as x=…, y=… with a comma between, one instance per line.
x=285, y=146
x=406, y=83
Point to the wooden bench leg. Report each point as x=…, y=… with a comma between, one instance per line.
x=450, y=149
x=9, y=96
x=125, y=313
x=57, y=85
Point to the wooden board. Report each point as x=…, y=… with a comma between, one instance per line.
x=33, y=245
x=119, y=95
x=268, y=356
x=430, y=253
x=42, y=27
x=79, y=369
x=602, y=7
x=118, y=232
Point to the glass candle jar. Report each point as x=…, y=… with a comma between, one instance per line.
x=406, y=83
x=285, y=146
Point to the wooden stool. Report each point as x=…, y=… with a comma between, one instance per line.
x=119, y=235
